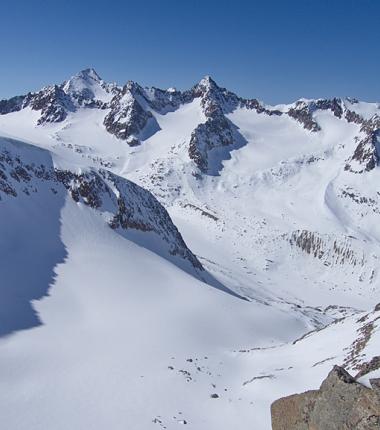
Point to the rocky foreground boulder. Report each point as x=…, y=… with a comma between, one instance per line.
x=341, y=403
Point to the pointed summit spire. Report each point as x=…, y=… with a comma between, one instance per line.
x=207, y=82
x=89, y=73
x=86, y=85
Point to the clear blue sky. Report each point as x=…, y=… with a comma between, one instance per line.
x=275, y=50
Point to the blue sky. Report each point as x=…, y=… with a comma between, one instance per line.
x=277, y=51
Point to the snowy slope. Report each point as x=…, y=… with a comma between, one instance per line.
x=118, y=316
x=132, y=321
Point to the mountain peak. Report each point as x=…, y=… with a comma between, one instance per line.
x=207, y=82
x=89, y=73
x=132, y=86
x=86, y=78
x=86, y=84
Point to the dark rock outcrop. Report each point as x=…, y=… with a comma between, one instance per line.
x=330, y=250
x=13, y=104
x=366, y=155
x=303, y=114
x=127, y=118
x=214, y=99
x=129, y=205
x=303, y=111
x=341, y=403
x=352, y=116
x=334, y=105
x=53, y=103
x=254, y=104
x=217, y=131
x=214, y=133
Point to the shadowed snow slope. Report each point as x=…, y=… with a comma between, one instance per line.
x=32, y=194
x=117, y=318
x=30, y=244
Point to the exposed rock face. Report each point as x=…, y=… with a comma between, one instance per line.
x=128, y=205
x=259, y=108
x=334, y=105
x=214, y=133
x=331, y=250
x=217, y=131
x=355, y=360
x=214, y=99
x=164, y=101
x=303, y=111
x=366, y=156
x=340, y=404
x=352, y=116
x=53, y=103
x=11, y=105
x=127, y=118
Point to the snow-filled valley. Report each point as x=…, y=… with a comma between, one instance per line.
x=182, y=258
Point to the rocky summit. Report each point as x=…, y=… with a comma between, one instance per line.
x=129, y=113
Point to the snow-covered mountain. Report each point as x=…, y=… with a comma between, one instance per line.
x=166, y=248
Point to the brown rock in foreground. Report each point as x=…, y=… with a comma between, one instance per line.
x=341, y=403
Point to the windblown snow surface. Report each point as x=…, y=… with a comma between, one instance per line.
x=119, y=328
